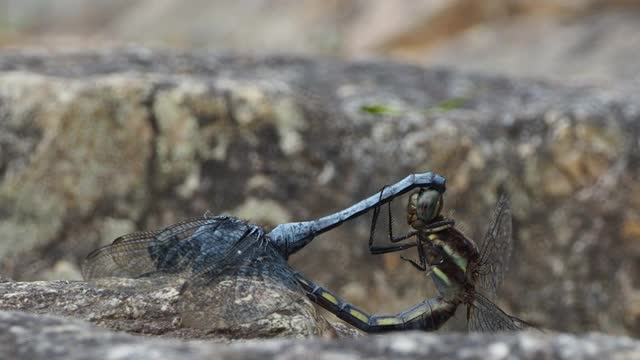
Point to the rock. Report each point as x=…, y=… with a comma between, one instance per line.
x=37, y=337
x=28, y=336
x=97, y=144
x=143, y=307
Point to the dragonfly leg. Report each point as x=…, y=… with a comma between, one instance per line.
x=431, y=265
x=438, y=226
x=408, y=235
x=291, y=237
x=421, y=267
x=374, y=220
x=377, y=250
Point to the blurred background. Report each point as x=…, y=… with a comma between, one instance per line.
x=577, y=253
x=584, y=40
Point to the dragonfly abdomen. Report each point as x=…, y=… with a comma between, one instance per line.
x=429, y=315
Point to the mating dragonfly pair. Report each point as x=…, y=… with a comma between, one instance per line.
x=212, y=251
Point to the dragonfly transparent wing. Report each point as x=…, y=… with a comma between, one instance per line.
x=233, y=275
x=483, y=315
x=108, y=261
x=258, y=284
x=166, y=251
x=495, y=249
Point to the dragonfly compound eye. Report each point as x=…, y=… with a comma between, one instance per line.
x=412, y=217
x=428, y=205
x=423, y=207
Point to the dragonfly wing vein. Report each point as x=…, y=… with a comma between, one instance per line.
x=495, y=250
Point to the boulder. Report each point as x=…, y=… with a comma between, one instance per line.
x=149, y=307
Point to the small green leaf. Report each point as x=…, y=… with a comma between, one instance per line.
x=449, y=104
x=378, y=109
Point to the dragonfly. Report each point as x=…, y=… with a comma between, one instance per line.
x=427, y=315
x=211, y=254
x=461, y=270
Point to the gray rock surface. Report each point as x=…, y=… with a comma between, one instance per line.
x=27, y=336
x=97, y=144
x=139, y=307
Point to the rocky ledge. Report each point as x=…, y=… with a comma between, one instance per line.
x=28, y=336
x=32, y=334
x=137, y=307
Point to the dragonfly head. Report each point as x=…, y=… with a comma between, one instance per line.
x=424, y=207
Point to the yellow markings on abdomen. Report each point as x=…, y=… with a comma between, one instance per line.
x=329, y=297
x=416, y=312
x=388, y=321
x=304, y=281
x=359, y=315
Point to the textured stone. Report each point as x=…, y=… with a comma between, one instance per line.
x=26, y=336
x=143, y=307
